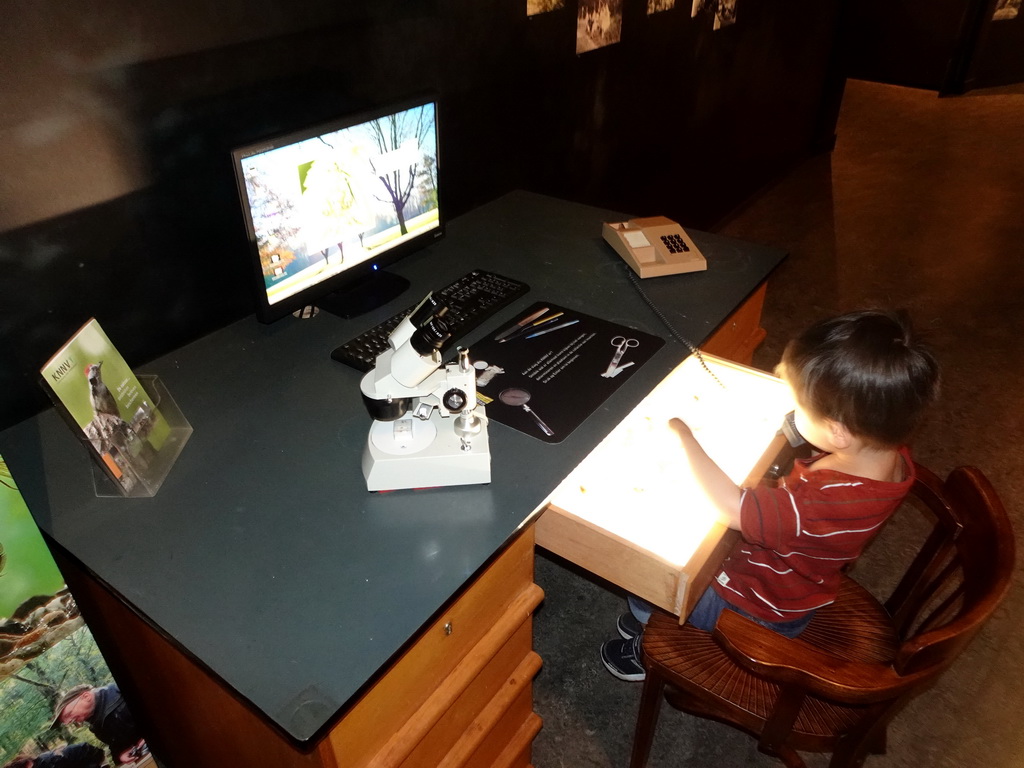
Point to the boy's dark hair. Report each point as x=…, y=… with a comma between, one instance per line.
x=867, y=370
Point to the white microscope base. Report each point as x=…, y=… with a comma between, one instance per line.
x=440, y=462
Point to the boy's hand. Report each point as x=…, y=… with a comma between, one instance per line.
x=681, y=428
x=720, y=488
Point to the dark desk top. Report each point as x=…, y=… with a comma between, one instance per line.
x=263, y=555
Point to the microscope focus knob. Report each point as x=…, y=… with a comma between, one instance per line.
x=454, y=400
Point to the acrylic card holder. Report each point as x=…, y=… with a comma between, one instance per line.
x=151, y=449
x=133, y=458
x=130, y=425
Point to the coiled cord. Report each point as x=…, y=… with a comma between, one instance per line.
x=665, y=321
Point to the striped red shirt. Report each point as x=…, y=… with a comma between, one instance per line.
x=797, y=538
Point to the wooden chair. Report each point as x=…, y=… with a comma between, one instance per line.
x=836, y=687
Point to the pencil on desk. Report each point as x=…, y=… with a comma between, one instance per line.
x=553, y=328
x=530, y=327
x=549, y=318
x=521, y=324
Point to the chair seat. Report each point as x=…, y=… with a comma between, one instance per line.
x=855, y=627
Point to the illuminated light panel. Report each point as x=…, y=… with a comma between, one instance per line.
x=637, y=483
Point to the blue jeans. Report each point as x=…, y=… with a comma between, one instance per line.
x=710, y=606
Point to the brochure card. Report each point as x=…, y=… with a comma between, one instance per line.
x=102, y=398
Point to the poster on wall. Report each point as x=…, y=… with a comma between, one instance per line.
x=724, y=11
x=533, y=7
x=59, y=704
x=598, y=23
x=1006, y=9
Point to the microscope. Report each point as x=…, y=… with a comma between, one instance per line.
x=428, y=429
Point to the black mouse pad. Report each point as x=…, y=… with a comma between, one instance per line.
x=552, y=367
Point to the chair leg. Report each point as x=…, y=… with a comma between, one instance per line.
x=646, y=719
x=869, y=738
x=779, y=725
x=789, y=757
x=852, y=751
x=849, y=755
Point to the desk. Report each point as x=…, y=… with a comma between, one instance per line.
x=264, y=590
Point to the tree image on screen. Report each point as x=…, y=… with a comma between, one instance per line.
x=394, y=134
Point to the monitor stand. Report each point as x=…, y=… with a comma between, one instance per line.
x=371, y=292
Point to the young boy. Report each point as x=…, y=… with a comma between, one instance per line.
x=861, y=383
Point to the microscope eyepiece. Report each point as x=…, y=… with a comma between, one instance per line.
x=426, y=309
x=430, y=336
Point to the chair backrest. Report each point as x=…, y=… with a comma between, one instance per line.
x=959, y=576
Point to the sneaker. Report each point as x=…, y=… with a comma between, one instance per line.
x=629, y=626
x=622, y=658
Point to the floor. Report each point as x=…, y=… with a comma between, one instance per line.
x=921, y=205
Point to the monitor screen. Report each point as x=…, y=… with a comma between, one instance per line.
x=329, y=207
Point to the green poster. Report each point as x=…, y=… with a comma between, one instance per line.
x=47, y=652
x=28, y=569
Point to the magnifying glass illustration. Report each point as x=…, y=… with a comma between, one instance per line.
x=516, y=397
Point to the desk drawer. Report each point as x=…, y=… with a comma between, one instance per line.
x=428, y=698
x=672, y=587
x=484, y=717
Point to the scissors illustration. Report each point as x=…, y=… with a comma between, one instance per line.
x=621, y=344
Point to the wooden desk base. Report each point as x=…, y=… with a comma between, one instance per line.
x=460, y=697
x=741, y=334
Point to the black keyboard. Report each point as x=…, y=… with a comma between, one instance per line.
x=471, y=300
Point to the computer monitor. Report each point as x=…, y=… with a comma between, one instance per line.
x=328, y=208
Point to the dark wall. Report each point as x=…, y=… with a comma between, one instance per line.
x=116, y=118
x=949, y=46
x=1000, y=55
x=906, y=43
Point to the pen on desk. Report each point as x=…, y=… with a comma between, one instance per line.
x=530, y=327
x=521, y=324
x=553, y=328
x=549, y=318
